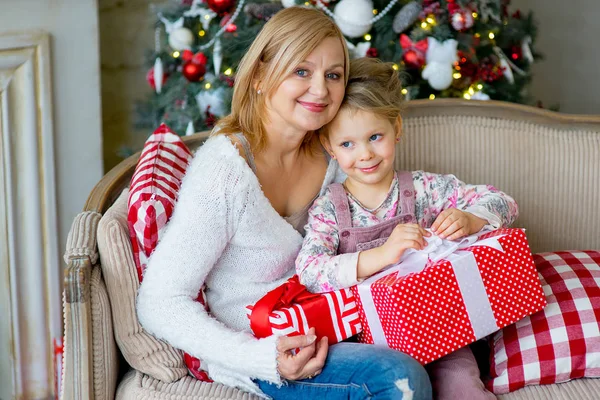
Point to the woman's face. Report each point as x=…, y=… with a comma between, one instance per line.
x=311, y=95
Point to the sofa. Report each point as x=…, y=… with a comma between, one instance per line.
x=549, y=162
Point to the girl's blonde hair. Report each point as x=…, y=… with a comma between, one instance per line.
x=283, y=43
x=373, y=86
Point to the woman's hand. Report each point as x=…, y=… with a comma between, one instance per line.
x=453, y=224
x=307, y=362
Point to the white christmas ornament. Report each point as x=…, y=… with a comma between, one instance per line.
x=440, y=60
x=507, y=70
x=527, y=54
x=406, y=16
x=190, y=129
x=158, y=74
x=288, y=3
x=214, y=99
x=170, y=27
x=462, y=19
x=217, y=56
x=480, y=96
x=205, y=14
x=488, y=11
x=354, y=17
x=359, y=50
x=181, y=39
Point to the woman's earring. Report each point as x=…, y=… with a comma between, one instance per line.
x=259, y=91
x=397, y=139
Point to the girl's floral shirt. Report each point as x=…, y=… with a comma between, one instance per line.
x=322, y=269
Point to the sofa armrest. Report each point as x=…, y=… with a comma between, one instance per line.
x=78, y=352
x=81, y=255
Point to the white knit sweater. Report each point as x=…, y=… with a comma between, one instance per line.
x=225, y=233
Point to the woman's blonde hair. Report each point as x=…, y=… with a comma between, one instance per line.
x=373, y=86
x=283, y=43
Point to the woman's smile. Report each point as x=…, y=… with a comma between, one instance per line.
x=314, y=107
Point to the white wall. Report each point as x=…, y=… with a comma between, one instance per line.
x=568, y=37
x=73, y=26
x=75, y=124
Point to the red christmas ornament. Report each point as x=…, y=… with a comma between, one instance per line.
x=230, y=27
x=516, y=52
x=467, y=68
x=372, y=52
x=198, y=58
x=461, y=19
x=227, y=79
x=150, y=78
x=431, y=8
x=490, y=70
x=193, y=72
x=220, y=6
x=505, y=4
x=452, y=7
x=413, y=59
x=210, y=119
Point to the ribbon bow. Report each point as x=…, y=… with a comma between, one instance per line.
x=292, y=291
x=408, y=44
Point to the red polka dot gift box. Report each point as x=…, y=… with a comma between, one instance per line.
x=433, y=303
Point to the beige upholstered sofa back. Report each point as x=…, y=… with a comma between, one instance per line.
x=548, y=162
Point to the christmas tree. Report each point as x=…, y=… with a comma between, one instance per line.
x=467, y=49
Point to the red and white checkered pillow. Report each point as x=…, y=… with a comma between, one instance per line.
x=153, y=191
x=561, y=342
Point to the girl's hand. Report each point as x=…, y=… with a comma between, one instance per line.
x=453, y=224
x=307, y=362
x=403, y=237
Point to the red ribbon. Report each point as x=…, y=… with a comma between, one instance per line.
x=407, y=44
x=292, y=291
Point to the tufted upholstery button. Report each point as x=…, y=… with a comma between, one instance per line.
x=345, y=233
x=407, y=193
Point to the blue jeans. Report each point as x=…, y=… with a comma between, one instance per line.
x=359, y=371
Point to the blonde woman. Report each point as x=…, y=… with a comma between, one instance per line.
x=238, y=227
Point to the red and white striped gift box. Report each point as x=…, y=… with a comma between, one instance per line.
x=332, y=314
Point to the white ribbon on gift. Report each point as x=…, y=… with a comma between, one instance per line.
x=467, y=275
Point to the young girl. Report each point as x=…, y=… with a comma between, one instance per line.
x=357, y=228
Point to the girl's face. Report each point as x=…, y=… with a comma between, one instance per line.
x=311, y=96
x=364, y=145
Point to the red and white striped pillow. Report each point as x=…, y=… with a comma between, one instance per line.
x=561, y=342
x=153, y=191
x=152, y=196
